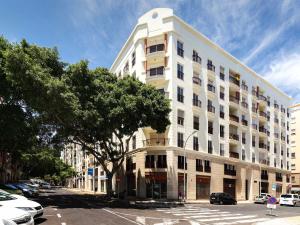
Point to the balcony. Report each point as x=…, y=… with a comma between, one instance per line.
x=156, y=142
x=211, y=70
x=263, y=116
x=230, y=172
x=244, y=105
x=264, y=161
x=276, y=106
x=196, y=58
x=155, y=49
x=234, y=83
x=156, y=75
x=244, y=122
x=233, y=138
x=263, y=146
x=235, y=100
x=263, y=99
x=207, y=169
x=211, y=109
x=264, y=131
x=197, y=81
x=234, y=155
x=211, y=88
x=197, y=103
x=244, y=87
x=234, y=119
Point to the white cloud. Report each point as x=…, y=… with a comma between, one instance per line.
x=284, y=72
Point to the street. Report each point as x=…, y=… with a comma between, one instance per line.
x=62, y=207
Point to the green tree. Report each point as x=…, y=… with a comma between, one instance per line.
x=90, y=107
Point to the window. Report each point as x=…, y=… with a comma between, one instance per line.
x=253, y=157
x=221, y=131
x=180, y=140
x=210, y=147
x=222, y=73
x=126, y=68
x=253, y=141
x=207, y=167
x=180, y=96
x=196, y=101
x=133, y=59
x=243, y=154
x=150, y=162
x=244, y=138
x=161, y=161
x=180, y=73
x=180, y=117
x=180, y=50
x=195, y=143
x=196, y=122
x=210, y=66
x=293, y=155
x=229, y=170
x=222, y=151
x=133, y=142
x=196, y=57
x=222, y=92
x=210, y=127
x=199, y=166
x=157, y=71
x=181, y=162
x=222, y=114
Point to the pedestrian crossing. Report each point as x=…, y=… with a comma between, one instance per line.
x=196, y=215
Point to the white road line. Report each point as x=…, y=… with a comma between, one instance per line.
x=55, y=209
x=213, y=216
x=226, y=218
x=58, y=215
x=132, y=221
x=198, y=213
x=243, y=221
x=63, y=224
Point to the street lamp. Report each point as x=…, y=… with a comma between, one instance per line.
x=184, y=182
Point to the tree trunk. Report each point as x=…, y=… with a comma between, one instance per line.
x=109, y=190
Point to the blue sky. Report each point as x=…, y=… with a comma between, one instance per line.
x=263, y=34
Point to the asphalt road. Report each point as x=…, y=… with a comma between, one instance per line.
x=63, y=207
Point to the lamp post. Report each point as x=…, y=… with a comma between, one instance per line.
x=184, y=182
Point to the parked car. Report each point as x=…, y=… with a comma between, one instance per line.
x=222, y=198
x=289, y=199
x=45, y=185
x=31, y=207
x=27, y=190
x=261, y=199
x=10, y=188
x=13, y=216
x=13, y=195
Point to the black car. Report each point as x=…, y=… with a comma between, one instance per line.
x=222, y=198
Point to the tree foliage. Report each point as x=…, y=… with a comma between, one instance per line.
x=90, y=107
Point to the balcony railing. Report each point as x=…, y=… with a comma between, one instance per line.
x=234, y=155
x=197, y=59
x=156, y=142
x=263, y=146
x=155, y=48
x=264, y=130
x=211, y=88
x=207, y=169
x=197, y=80
x=211, y=67
x=263, y=98
x=234, y=99
x=263, y=114
x=234, y=80
x=264, y=161
x=245, y=122
x=230, y=172
x=196, y=102
x=244, y=104
x=244, y=87
x=211, y=108
x=158, y=71
x=279, y=178
x=234, y=136
x=234, y=118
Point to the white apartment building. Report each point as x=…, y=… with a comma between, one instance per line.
x=231, y=124
x=295, y=147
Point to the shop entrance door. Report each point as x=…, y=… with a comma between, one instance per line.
x=229, y=186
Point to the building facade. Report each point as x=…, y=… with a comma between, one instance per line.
x=231, y=124
x=295, y=147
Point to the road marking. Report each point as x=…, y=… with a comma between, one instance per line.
x=243, y=221
x=63, y=224
x=55, y=209
x=198, y=213
x=212, y=216
x=226, y=218
x=141, y=220
x=132, y=221
x=58, y=215
x=48, y=215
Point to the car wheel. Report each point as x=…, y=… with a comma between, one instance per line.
x=235, y=202
x=221, y=202
x=211, y=202
x=280, y=204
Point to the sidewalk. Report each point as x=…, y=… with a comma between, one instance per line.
x=286, y=221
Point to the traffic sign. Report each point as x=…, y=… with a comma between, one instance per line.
x=90, y=171
x=271, y=203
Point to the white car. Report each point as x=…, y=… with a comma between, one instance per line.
x=289, y=199
x=13, y=216
x=2, y=192
x=31, y=207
